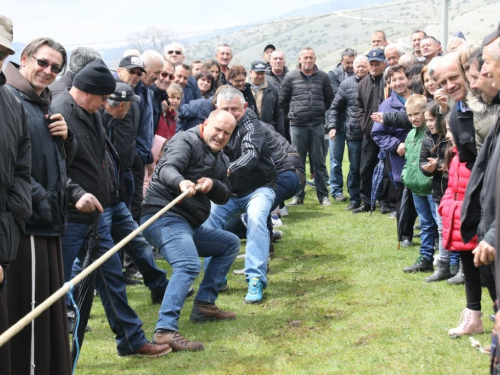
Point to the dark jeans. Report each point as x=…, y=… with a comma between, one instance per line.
x=138, y=171
x=311, y=138
x=122, y=319
x=369, y=160
x=473, y=277
x=354, y=175
x=337, y=147
x=129, y=188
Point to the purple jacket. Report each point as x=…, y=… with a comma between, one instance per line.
x=388, y=138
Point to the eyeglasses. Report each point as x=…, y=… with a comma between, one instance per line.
x=176, y=52
x=44, y=64
x=138, y=73
x=165, y=75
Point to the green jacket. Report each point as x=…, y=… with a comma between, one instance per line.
x=412, y=176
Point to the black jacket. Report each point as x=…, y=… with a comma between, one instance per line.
x=464, y=135
x=370, y=96
x=64, y=84
x=336, y=77
x=15, y=171
x=49, y=158
x=270, y=111
x=306, y=98
x=478, y=208
x=158, y=97
x=278, y=155
x=273, y=79
x=439, y=181
x=342, y=114
x=188, y=157
x=250, y=160
x=89, y=170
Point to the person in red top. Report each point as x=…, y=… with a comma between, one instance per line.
x=449, y=208
x=167, y=122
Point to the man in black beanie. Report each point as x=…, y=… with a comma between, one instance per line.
x=90, y=176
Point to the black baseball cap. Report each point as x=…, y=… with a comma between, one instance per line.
x=269, y=46
x=258, y=66
x=124, y=93
x=376, y=55
x=491, y=36
x=131, y=62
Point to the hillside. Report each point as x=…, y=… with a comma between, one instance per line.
x=330, y=33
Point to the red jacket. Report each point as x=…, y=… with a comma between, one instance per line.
x=451, y=205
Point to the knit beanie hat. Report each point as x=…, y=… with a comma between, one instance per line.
x=95, y=78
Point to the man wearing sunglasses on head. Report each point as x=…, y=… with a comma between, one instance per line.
x=53, y=146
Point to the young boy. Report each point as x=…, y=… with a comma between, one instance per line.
x=419, y=184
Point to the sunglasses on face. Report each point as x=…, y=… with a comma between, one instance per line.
x=136, y=72
x=165, y=75
x=176, y=52
x=44, y=64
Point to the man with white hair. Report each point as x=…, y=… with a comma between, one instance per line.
x=392, y=53
x=175, y=53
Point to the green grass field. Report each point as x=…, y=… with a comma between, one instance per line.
x=338, y=302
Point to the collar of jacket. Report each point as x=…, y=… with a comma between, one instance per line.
x=315, y=69
x=377, y=78
x=3, y=80
x=17, y=80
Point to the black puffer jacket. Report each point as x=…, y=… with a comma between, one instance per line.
x=251, y=165
x=272, y=79
x=188, y=157
x=49, y=158
x=64, y=84
x=306, y=98
x=336, y=77
x=88, y=172
x=464, y=135
x=439, y=181
x=370, y=96
x=342, y=114
x=278, y=155
x=15, y=168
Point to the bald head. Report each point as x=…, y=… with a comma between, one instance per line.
x=217, y=129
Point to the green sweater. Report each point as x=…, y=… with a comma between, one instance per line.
x=412, y=176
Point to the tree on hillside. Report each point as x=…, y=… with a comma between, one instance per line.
x=152, y=38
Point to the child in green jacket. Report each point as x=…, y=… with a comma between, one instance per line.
x=419, y=184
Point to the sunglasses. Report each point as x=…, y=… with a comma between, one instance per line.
x=176, y=52
x=165, y=75
x=44, y=64
x=136, y=72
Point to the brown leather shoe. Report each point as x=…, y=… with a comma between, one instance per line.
x=176, y=341
x=209, y=312
x=151, y=350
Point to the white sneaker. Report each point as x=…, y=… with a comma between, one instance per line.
x=276, y=221
x=241, y=256
x=284, y=211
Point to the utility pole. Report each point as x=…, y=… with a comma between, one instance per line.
x=444, y=40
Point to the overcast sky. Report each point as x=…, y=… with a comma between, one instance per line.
x=91, y=22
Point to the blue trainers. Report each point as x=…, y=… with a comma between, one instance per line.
x=254, y=294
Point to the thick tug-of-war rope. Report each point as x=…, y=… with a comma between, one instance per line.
x=16, y=328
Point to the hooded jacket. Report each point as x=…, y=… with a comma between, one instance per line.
x=49, y=159
x=306, y=98
x=15, y=171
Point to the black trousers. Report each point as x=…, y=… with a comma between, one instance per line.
x=138, y=171
x=475, y=277
x=411, y=213
x=369, y=160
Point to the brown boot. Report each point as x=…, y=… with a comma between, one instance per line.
x=209, y=312
x=176, y=341
x=470, y=323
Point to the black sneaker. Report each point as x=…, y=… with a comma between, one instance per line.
x=129, y=280
x=352, y=206
x=363, y=208
x=421, y=265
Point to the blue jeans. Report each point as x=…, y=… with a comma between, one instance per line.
x=182, y=245
x=444, y=254
x=287, y=186
x=257, y=205
x=337, y=147
x=311, y=138
x=354, y=176
x=425, y=207
x=120, y=220
x=122, y=319
x=129, y=188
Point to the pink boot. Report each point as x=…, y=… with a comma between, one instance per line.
x=470, y=323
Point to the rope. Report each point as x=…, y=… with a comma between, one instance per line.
x=16, y=328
